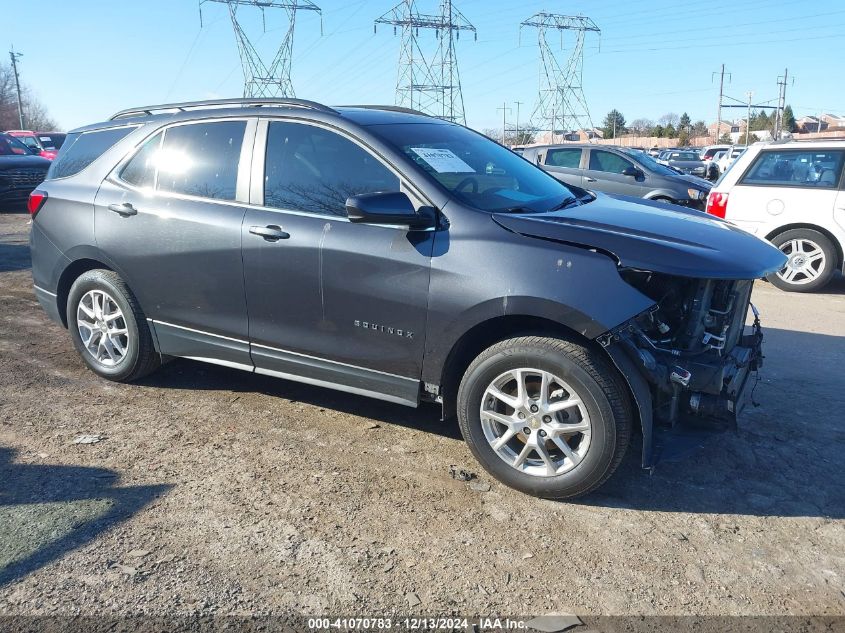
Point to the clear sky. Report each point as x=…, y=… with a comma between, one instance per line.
x=86, y=59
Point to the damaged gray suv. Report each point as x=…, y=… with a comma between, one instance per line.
x=385, y=253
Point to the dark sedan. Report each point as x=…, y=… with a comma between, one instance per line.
x=20, y=171
x=687, y=162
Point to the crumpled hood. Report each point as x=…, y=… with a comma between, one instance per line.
x=655, y=237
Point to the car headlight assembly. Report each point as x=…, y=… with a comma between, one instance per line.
x=696, y=194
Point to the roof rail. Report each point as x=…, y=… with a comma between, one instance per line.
x=191, y=105
x=388, y=108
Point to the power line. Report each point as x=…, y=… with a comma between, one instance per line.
x=561, y=104
x=261, y=80
x=432, y=86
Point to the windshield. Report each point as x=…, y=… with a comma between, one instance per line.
x=10, y=146
x=474, y=169
x=645, y=160
x=685, y=156
x=29, y=141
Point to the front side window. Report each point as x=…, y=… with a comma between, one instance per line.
x=311, y=169
x=565, y=157
x=608, y=161
x=796, y=168
x=473, y=169
x=201, y=159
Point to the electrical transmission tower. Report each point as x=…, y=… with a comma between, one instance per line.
x=261, y=80
x=560, y=102
x=430, y=85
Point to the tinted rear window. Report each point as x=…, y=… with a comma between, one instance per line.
x=80, y=150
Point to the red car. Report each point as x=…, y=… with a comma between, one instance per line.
x=45, y=144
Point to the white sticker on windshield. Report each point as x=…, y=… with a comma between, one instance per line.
x=443, y=160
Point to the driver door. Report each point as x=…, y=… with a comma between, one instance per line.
x=331, y=302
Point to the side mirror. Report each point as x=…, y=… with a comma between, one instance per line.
x=633, y=172
x=392, y=207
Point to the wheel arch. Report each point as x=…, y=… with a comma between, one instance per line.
x=840, y=255
x=70, y=274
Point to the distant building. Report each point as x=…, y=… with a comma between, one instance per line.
x=724, y=127
x=811, y=124
x=833, y=120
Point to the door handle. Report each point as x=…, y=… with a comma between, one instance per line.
x=270, y=233
x=588, y=179
x=126, y=209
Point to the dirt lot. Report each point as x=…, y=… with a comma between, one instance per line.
x=219, y=492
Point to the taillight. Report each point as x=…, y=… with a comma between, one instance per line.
x=36, y=200
x=717, y=204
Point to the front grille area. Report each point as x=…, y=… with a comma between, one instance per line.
x=22, y=177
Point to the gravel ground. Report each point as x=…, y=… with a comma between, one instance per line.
x=213, y=491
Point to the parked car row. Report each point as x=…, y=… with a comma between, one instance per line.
x=20, y=171
x=619, y=170
x=44, y=144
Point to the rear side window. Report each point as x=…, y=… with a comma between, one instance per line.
x=796, y=168
x=80, y=150
x=141, y=170
x=200, y=159
x=608, y=161
x=567, y=157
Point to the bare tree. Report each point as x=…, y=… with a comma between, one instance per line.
x=34, y=113
x=670, y=118
x=641, y=127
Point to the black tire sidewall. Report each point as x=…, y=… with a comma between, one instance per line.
x=98, y=280
x=830, y=260
x=603, y=433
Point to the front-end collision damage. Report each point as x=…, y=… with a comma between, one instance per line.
x=689, y=357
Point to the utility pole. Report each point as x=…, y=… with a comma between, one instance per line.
x=749, y=94
x=518, y=103
x=15, y=56
x=782, y=83
x=721, y=96
x=505, y=109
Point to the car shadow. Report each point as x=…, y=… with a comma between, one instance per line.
x=783, y=460
x=48, y=510
x=13, y=256
x=194, y=375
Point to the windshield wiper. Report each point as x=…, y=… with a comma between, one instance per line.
x=569, y=202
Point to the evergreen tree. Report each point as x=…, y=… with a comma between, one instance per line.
x=788, y=119
x=608, y=127
x=685, y=123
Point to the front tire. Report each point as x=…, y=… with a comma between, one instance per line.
x=108, y=327
x=549, y=417
x=811, y=263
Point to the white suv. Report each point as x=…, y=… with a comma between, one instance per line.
x=792, y=194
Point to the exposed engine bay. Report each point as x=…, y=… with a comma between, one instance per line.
x=692, y=346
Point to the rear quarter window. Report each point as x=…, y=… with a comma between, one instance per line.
x=80, y=150
x=817, y=169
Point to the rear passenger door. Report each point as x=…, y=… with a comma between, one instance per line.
x=564, y=163
x=170, y=218
x=331, y=302
x=604, y=173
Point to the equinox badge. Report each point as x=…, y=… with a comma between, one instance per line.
x=383, y=329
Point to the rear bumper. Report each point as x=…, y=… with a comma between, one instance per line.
x=49, y=302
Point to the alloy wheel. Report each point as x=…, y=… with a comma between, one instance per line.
x=806, y=261
x=102, y=327
x=535, y=422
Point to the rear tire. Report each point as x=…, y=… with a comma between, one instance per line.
x=811, y=263
x=108, y=327
x=569, y=425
